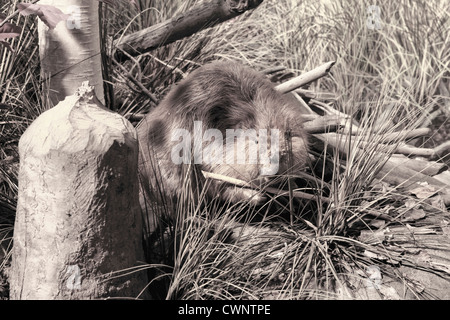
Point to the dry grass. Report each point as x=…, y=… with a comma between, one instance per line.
x=386, y=80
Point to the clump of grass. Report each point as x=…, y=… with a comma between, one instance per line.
x=20, y=103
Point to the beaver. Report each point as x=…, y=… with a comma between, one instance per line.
x=222, y=118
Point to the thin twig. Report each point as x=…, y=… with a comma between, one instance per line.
x=278, y=192
x=130, y=77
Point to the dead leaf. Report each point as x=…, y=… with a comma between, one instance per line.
x=49, y=15
x=6, y=45
x=437, y=202
x=424, y=192
x=389, y=293
x=410, y=203
x=8, y=30
x=413, y=215
x=377, y=224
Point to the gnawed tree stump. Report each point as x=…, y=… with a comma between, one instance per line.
x=78, y=221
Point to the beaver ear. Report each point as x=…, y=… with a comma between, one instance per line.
x=179, y=95
x=218, y=113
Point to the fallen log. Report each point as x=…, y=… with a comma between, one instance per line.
x=430, y=168
x=404, y=177
x=202, y=16
x=443, y=176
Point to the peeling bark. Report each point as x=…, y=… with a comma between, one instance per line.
x=70, y=53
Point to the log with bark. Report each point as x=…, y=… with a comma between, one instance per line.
x=202, y=16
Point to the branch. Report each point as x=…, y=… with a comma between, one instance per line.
x=275, y=191
x=441, y=150
x=392, y=172
x=316, y=95
x=200, y=17
x=324, y=124
x=402, y=176
x=139, y=84
x=429, y=168
x=305, y=78
x=341, y=141
x=394, y=136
